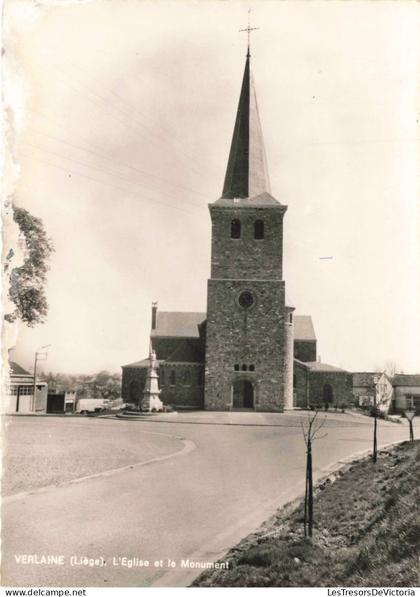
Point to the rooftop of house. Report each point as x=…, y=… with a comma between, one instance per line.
x=16, y=369
x=363, y=379
x=406, y=379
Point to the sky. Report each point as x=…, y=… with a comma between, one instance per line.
x=123, y=113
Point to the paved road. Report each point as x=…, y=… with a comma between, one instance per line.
x=221, y=482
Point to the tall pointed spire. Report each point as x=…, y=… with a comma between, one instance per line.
x=246, y=173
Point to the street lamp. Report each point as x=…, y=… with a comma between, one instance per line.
x=409, y=415
x=39, y=356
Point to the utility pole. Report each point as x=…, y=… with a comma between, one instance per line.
x=375, y=421
x=310, y=489
x=39, y=356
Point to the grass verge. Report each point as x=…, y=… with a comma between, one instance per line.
x=367, y=532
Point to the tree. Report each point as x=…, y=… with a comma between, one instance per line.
x=310, y=432
x=27, y=282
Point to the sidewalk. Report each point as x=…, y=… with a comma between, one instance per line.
x=248, y=418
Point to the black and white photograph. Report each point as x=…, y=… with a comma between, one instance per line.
x=210, y=296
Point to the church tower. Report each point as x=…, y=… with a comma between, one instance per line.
x=249, y=356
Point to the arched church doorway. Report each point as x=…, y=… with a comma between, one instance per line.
x=243, y=394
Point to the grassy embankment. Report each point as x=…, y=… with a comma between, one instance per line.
x=367, y=532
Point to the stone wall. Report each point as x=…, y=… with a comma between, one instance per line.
x=188, y=389
x=300, y=385
x=187, y=392
x=308, y=387
x=246, y=257
x=341, y=383
x=245, y=337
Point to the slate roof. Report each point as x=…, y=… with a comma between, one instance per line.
x=405, y=379
x=246, y=172
x=303, y=328
x=16, y=369
x=177, y=324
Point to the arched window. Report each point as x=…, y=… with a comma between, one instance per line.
x=259, y=229
x=235, y=228
x=236, y=367
x=172, y=378
x=252, y=367
x=244, y=368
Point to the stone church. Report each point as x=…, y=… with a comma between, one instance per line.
x=249, y=350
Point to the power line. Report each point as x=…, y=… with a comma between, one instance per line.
x=114, y=93
x=84, y=165
x=104, y=157
x=105, y=101
x=107, y=184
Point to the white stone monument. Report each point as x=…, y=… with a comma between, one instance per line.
x=151, y=392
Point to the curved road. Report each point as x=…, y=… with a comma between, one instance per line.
x=218, y=483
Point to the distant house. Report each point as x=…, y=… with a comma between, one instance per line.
x=18, y=395
x=406, y=392
x=369, y=388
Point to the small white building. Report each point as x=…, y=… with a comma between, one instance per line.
x=371, y=388
x=19, y=390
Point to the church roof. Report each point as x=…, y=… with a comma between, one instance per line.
x=184, y=324
x=303, y=328
x=178, y=324
x=405, y=379
x=246, y=173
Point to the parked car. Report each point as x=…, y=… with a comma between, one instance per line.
x=87, y=406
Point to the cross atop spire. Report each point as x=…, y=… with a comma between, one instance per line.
x=246, y=173
x=248, y=30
